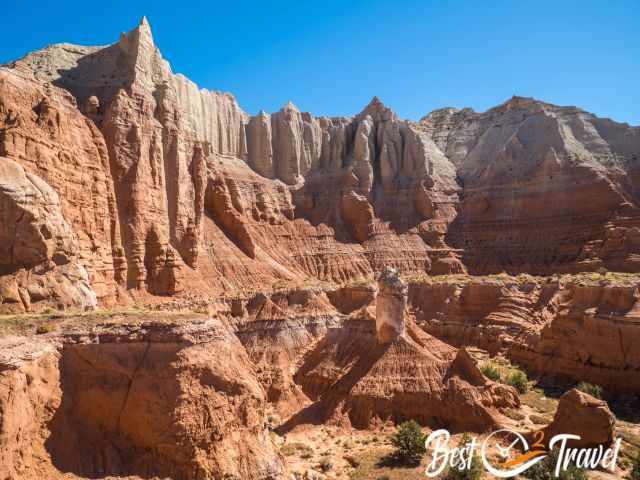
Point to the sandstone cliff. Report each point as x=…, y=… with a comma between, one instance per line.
x=546, y=188
x=574, y=329
x=150, y=400
x=167, y=185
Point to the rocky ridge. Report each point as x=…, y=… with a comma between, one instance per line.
x=187, y=188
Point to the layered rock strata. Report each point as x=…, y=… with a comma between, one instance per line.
x=545, y=188
x=575, y=330
x=356, y=381
x=166, y=185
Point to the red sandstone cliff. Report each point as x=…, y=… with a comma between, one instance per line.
x=166, y=185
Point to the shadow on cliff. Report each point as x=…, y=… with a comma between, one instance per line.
x=330, y=399
x=101, y=73
x=85, y=437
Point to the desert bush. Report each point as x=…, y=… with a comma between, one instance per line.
x=43, y=328
x=474, y=472
x=545, y=470
x=408, y=441
x=591, y=389
x=351, y=460
x=490, y=371
x=518, y=380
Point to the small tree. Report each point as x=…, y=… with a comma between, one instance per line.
x=593, y=390
x=634, y=474
x=474, y=472
x=408, y=441
x=518, y=380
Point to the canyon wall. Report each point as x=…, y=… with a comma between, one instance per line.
x=546, y=188
x=148, y=400
x=167, y=186
x=572, y=330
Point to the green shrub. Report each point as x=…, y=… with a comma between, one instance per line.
x=490, y=371
x=593, y=390
x=634, y=474
x=408, y=441
x=545, y=470
x=474, y=472
x=518, y=380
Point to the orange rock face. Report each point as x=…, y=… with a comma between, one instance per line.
x=122, y=181
x=168, y=186
x=355, y=380
x=581, y=414
x=152, y=400
x=573, y=331
x=340, y=370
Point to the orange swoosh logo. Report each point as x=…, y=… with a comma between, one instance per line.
x=523, y=458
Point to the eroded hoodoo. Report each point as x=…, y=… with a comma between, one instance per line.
x=390, y=306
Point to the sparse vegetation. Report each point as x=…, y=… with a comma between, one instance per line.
x=474, y=472
x=352, y=461
x=591, y=389
x=290, y=449
x=514, y=414
x=634, y=474
x=537, y=399
x=408, y=441
x=545, y=470
x=44, y=328
x=518, y=380
x=490, y=371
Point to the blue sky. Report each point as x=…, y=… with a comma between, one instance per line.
x=330, y=57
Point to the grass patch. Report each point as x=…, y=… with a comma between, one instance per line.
x=297, y=448
x=370, y=466
x=518, y=380
x=536, y=399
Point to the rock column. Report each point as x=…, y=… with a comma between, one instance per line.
x=390, y=306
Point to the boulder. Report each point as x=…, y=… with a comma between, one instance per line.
x=581, y=414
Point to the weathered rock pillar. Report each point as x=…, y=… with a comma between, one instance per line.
x=390, y=306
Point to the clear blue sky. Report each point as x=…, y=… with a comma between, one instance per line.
x=330, y=57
